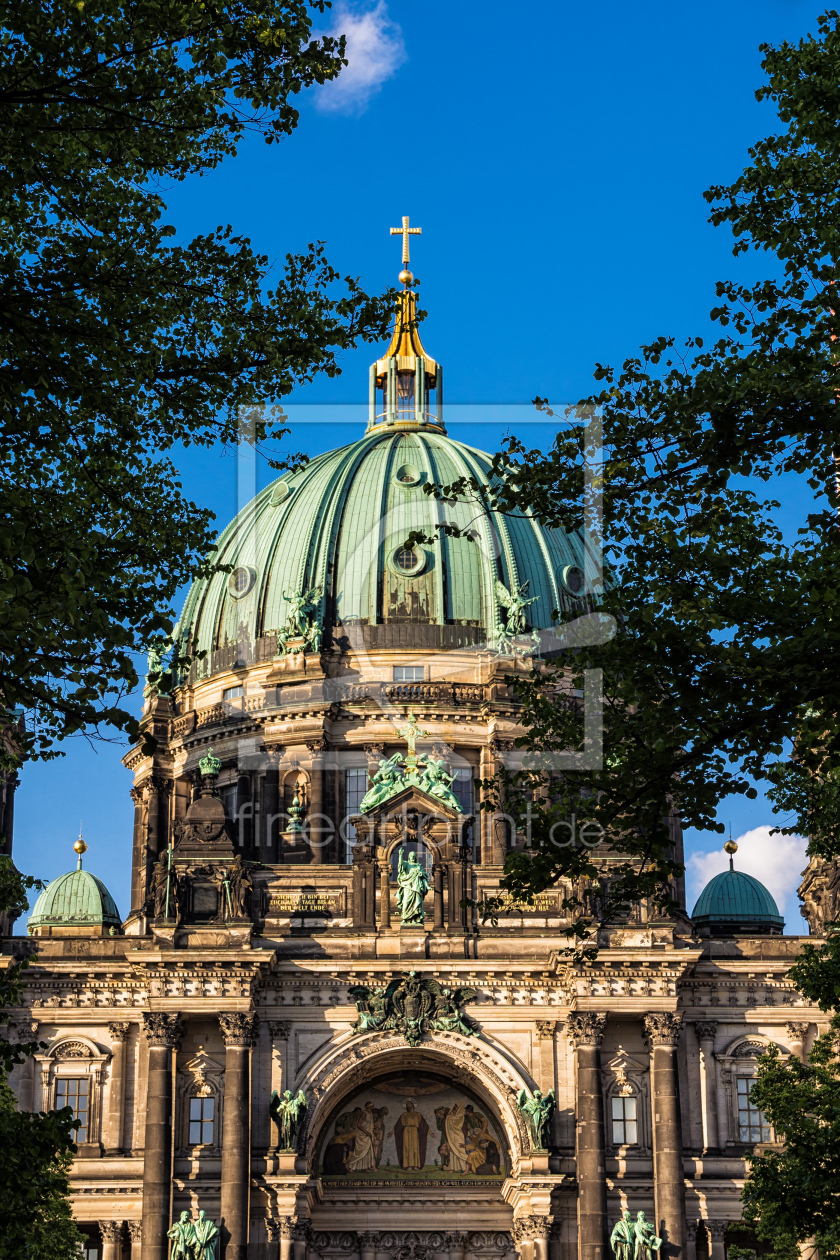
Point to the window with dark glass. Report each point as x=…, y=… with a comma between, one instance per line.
x=405, y=395
x=72, y=1091
x=752, y=1126
x=89, y=1250
x=233, y=693
x=406, y=558
x=624, y=1121
x=229, y=798
x=202, y=1119
x=409, y=673
x=355, y=786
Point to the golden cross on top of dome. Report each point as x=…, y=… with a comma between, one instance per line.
x=405, y=231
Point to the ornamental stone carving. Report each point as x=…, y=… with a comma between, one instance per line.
x=111, y=1231
x=797, y=1031
x=119, y=1030
x=135, y=1233
x=238, y=1029
x=706, y=1029
x=586, y=1028
x=72, y=1050
x=279, y=1029
x=546, y=1028
x=750, y=1050
x=413, y=1005
x=716, y=1229
x=161, y=1029
x=663, y=1029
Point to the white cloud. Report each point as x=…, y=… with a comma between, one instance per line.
x=374, y=52
x=776, y=860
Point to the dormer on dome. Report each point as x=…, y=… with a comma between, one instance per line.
x=406, y=384
x=736, y=904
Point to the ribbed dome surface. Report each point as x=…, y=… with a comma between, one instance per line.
x=77, y=899
x=339, y=524
x=734, y=897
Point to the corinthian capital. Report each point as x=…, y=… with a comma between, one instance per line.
x=160, y=1029
x=664, y=1028
x=586, y=1028
x=238, y=1029
x=706, y=1029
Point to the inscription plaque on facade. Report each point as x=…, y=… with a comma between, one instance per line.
x=542, y=904
x=297, y=901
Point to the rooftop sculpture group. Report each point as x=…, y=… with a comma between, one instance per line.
x=410, y=770
x=300, y=623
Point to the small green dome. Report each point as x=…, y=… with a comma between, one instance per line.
x=77, y=900
x=734, y=901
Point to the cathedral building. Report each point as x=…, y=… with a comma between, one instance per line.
x=299, y=1026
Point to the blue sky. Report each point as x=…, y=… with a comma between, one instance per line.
x=555, y=158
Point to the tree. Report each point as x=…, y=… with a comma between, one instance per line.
x=790, y=1196
x=35, y=1215
x=119, y=342
x=715, y=634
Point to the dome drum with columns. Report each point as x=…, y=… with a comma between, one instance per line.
x=300, y=1026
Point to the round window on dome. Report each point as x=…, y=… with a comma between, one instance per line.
x=280, y=493
x=408, y=561
x=408, y=475
x=241, y=581
x=574, y=580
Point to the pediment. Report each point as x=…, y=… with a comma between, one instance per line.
x=624, y=1065
x=202, y=1064
x=413, y=797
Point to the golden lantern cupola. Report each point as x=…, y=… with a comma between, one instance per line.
x=406, y=384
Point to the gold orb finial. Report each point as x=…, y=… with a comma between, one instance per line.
x=80, y=847
x=406, y=277
x=730, y=847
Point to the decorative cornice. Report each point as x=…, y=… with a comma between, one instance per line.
x=119, y=1030
x=586, y=1028
x=663, y=1029
x=161, y=1029
x=238, y=1029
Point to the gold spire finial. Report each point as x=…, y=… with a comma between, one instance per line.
x=80, y=847
x=731, y=848
x=405, y=231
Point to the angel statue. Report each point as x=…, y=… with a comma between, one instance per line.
x=537, y=1108
x=288, y=1110
x=384, y=783
x=448, y=1018
x=437, y=781
x=515, y=602
x=301, y=604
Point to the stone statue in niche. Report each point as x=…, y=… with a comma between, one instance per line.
x=288, y=1111
x=412, y=886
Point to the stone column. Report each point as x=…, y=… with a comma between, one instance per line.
x=540, y=1227
x=238, y=1031
x=138, y=854
x=318, y=828
x=797, y=1033
x=663, y=1035
x=706, y=1030
x=586, y=1030
x=111, y=1232
x=716, y=1231
x=162, y=1031
x=271, y=805
x=367, y=1245
x=384, y=895
x=286, y=1226
x=119, y=1035
x=135, y=1234
x=456, y=1245
x=438, y=871
x=691, y=1238
x=272, y=1229
x=300, y=1237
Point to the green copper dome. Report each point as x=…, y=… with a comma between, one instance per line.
x=335, y=531
x=77, y=901
x=734, y=901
